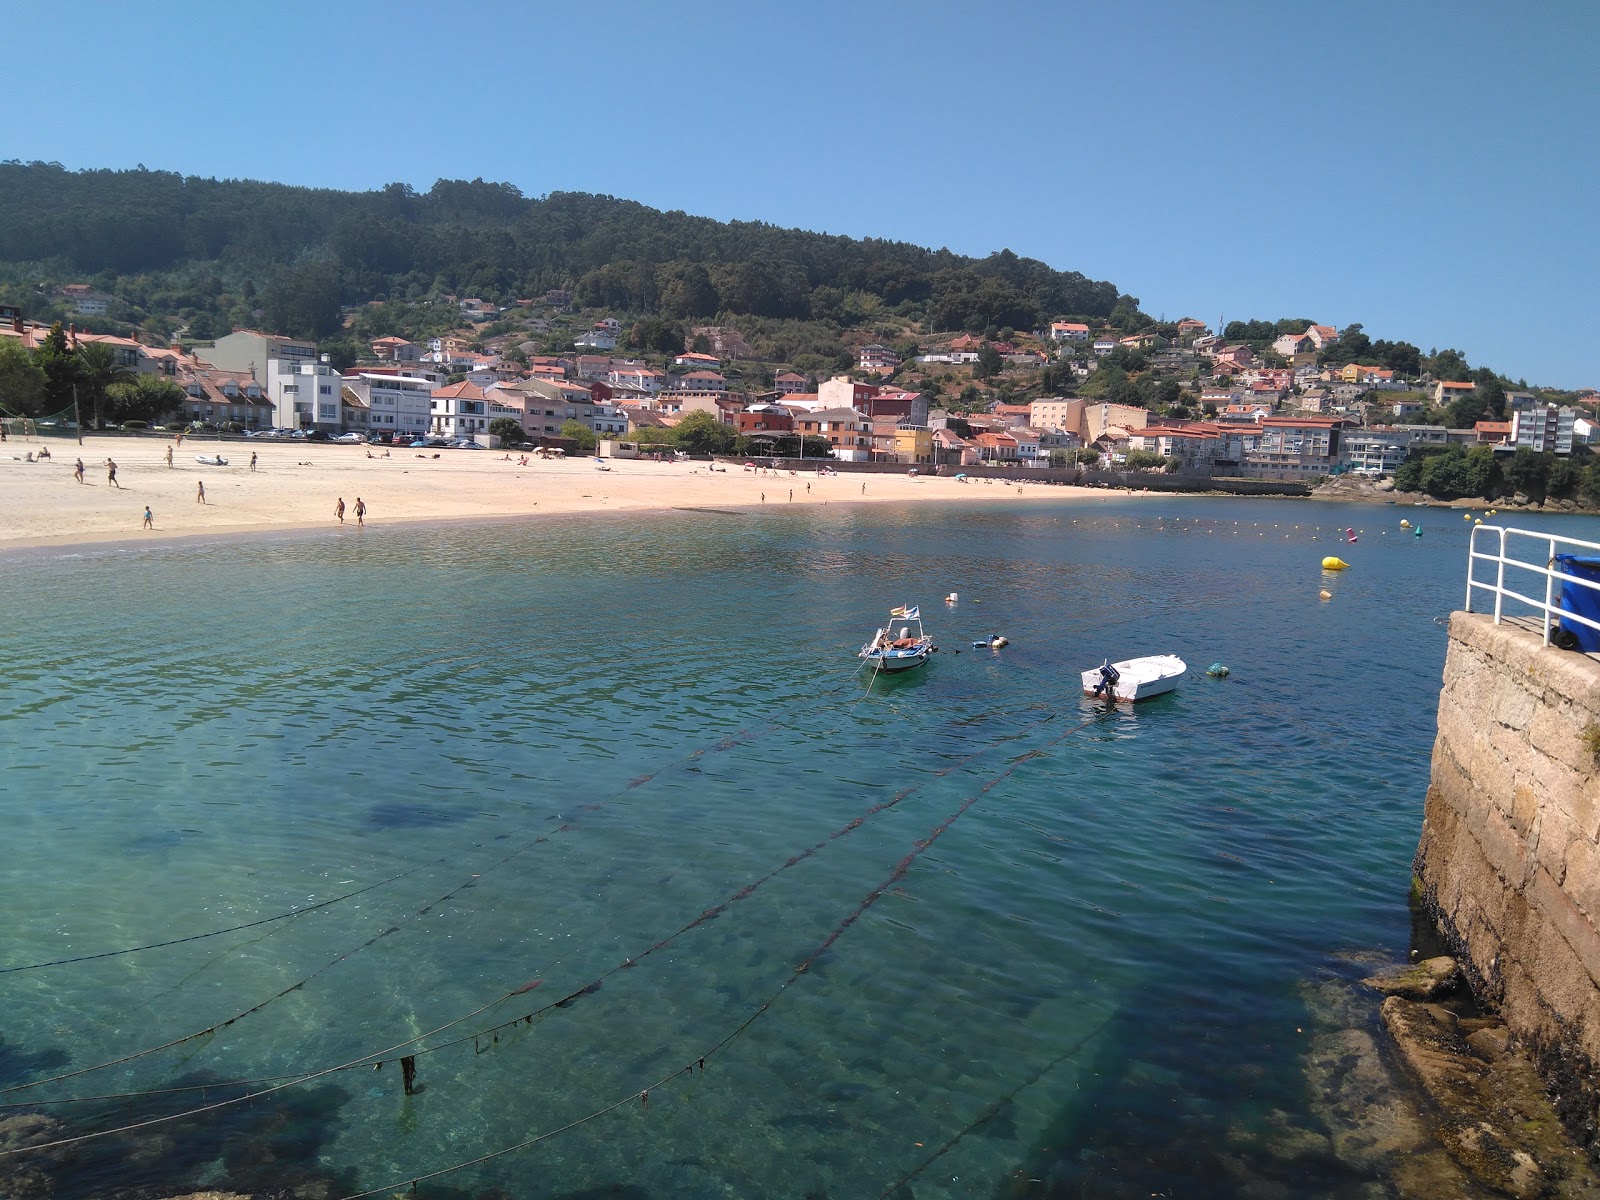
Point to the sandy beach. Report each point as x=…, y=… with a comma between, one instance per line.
x=296, y=485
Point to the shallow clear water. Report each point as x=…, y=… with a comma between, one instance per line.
x=1065, y=945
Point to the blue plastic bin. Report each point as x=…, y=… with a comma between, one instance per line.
x=1585, y=601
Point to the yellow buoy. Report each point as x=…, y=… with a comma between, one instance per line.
x=1325, y=594
x=1334, y=564
x=1404, y=524
x=1477, y=520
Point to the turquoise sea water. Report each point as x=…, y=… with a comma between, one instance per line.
x=964, y=930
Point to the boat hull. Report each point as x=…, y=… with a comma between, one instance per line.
x=1139, y=678
x=892, y=661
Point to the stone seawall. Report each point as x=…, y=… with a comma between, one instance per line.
x=1509, y=859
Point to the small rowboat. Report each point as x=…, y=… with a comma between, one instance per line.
x=1135, y=678
x=909, y=647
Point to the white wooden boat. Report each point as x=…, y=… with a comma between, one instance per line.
x=899, y=649
x=1135, y=678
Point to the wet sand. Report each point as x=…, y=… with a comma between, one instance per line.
x=297, y=485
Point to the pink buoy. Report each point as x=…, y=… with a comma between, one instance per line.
x=1350, y=535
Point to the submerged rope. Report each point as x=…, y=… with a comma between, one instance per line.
x=872, y=897
x=727, y=742
x=196, y=937
x=529, y=1018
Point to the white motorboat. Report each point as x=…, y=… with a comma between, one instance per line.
x=899, y=650
x=1135, y=678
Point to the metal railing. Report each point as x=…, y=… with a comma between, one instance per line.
x=1566, y=592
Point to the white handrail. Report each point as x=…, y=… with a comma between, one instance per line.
x=1555, y=606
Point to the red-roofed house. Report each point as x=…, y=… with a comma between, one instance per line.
x=1492, y=433
x=460, y=411
x=698, y=381
x=1447, y=390
x=1068, y=331
x=396, y=349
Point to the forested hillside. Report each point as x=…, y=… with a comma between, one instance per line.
x=213, y=254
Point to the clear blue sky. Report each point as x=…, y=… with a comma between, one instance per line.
x=1427, y=168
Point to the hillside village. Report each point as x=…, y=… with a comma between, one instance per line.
x=1177, y=398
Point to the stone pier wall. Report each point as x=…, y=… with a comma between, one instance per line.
x=1509, y=861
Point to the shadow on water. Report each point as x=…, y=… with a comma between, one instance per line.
x=267, y=1146
x=1200, y=1116
x=18, y=1066
x=392, y=814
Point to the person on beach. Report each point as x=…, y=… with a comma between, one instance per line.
x=77, y=471
x=199, y=492
x=149, y=521
x=361, y=511
x=252, y=460
x=169, y=458
x=179, y=440
x=111, y=475
x=338, y=510
x=863, y=489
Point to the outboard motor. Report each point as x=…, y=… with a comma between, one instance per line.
x=1108, y=679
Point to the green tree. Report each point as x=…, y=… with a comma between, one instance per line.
x=1492, y=396
x=1565, y=479
x=21, y=380
x=1529, y=472
x=1589, y=482
x=1467, y=410
x=989, y=362
x=143, y=398
x=578, y=432
x=98, y=369
x=658, y=334
x=303, y=301
x=687, y=292
x=1139, y=460
x=507, y=430
x=1458, y=473
x=702, y=433
x=60, y=367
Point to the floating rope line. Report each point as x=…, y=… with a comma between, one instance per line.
x=899, y=873
x=298, y=984
x=587, y=989
x=196, y=937
x=838, y=931
x=725, y=743
x=994, y=1109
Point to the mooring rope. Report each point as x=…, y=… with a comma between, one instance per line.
x=527, y=1018
x=643, y=1095
x=197, y=937
x=725, y=743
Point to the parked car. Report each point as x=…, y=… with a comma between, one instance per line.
x=318, y=435
x=350, y=439
x=465, y=444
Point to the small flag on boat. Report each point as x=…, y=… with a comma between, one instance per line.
x=911, y=613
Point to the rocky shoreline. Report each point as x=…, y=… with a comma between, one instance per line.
x=1382, y=491
x=1439, y=1097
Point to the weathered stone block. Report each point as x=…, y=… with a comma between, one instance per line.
x=1514, y=707
x=1581, y=880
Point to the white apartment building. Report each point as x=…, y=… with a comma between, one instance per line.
x=1544, y=428
x=395, y=403
x=304, y=395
